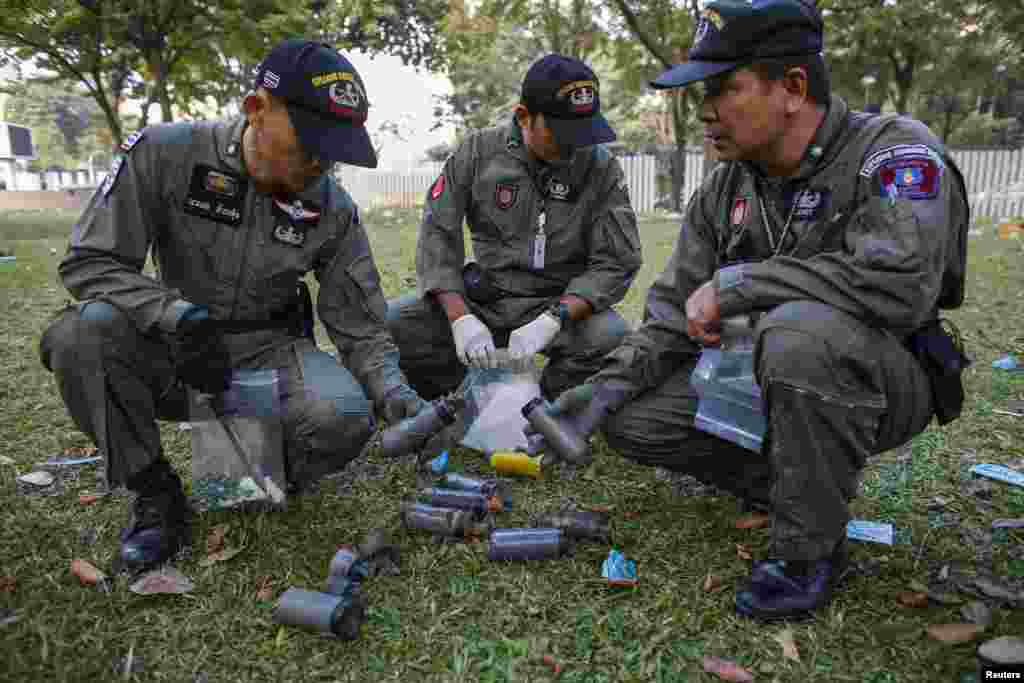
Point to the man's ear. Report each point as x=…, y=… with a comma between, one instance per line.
x=796, y=85
x=522, y=116
x=254, y=104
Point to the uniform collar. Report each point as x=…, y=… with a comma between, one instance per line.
x=822, y=148
x=228, y=137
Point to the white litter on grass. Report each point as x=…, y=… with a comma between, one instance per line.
x=873, y=532
x=37, y=478
x=184, y=426
x=166, y=580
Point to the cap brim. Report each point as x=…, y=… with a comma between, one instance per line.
x=581, y=132
x=331, y=140
x=691, y=72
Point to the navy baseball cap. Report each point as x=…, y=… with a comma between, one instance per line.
x=567, y=92
x=326, y=100
x=732, y=33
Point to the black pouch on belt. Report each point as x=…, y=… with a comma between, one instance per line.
x=940, y=352
x=479, y=285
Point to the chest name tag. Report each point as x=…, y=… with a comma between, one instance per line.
x=216, y=195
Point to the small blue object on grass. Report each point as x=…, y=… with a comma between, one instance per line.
x=999, y=473
x=439, y=465
x=874, y=532
x=618, y=570
x=1008, y=362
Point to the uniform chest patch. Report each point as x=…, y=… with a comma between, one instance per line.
x=505, y=195
x=739, y=210
x=216, y=195
x=287, y=233
x=559, y=190
x=298, y=210
x=810, y=204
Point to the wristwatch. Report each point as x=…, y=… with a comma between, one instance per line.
x=559, y=310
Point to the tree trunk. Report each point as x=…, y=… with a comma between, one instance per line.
x=678, y=165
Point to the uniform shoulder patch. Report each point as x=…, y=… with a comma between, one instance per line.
x=132, y=140
x=437, y=189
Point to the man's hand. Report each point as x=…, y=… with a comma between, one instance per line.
x=401, y=402
x=534, y=336
x=200, y=358
x=474, y=344
x=703, y=321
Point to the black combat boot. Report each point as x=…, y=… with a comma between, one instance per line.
x=160, y=520
x=787, y=589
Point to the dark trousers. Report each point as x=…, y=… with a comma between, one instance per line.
x=117, y=382
x=836, y=392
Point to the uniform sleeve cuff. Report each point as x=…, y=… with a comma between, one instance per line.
x=173, y=315
x=728, y=283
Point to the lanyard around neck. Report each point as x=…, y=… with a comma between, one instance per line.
x=776, y=248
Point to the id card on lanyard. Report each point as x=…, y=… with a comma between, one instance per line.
x=539, y=242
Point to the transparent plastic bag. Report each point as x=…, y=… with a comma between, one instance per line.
x=492, y=418
x=238, y=443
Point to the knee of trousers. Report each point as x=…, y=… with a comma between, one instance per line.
x=79, y=334
x=792, y=348
x=338, y=427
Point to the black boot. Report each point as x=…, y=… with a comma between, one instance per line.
x=787, y=589
x=160, y=520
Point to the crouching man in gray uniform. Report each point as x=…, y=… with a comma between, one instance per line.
x=847, y=233
x=236, y=212
x=554, y=237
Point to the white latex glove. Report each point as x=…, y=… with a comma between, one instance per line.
x=534, y=336
x=474, y=344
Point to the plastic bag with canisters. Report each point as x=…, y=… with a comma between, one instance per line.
x=238, y=443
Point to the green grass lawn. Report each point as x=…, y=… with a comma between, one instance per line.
x=453, y=616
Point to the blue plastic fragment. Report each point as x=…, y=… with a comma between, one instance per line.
x=439, y=465
x=618, y=570
x=873, y=532
x=1008, y=362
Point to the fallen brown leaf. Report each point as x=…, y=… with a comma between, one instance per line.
x=220, y=556
x=954, y=633
x=556, y=668
x=913, y=599
x=631, y=514
x=788, y=643
x=711, y=582
x=7, y=584
x=264, y=588
x=215, y=537
x=743, y=552
x=726, y=670
x=755, y=520
x=86, y=572
x=89, y=498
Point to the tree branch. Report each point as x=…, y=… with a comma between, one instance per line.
x=645, y=39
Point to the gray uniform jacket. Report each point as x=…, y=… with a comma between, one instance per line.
x=878, y=218
x=539, y=231
x=182, y=189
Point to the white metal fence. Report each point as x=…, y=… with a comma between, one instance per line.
x=995, y=182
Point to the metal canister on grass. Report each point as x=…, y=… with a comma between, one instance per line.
x=519, y=463
x=580, y=524
x=527, y=544
x=441, y=521
x=477, y=503
x=341, y=615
